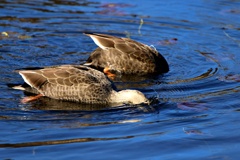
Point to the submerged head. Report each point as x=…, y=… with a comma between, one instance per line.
x=130, y=96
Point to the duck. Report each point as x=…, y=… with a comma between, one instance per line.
x=124, y=56
x=76, y=83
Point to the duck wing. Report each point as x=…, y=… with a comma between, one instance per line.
x=70, y=82
x=125, y=55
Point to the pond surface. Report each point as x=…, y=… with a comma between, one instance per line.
x=195, y=110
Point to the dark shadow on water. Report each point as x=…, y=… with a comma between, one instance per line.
x=48, y=104
x=76, y=140
x=45, y=103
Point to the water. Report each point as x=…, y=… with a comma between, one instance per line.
x=195, y=109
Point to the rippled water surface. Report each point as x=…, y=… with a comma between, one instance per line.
x=195, y=109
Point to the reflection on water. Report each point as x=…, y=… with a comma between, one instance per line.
x=193, y=109
x=45, y=103
x=78, y=140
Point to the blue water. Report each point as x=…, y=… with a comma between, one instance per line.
x=195, y=109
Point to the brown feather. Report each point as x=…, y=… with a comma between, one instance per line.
x=69, y=82
x=34, y=79
x=126, y=56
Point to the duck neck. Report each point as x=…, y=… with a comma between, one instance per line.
x=128, y=96
x=118, y=98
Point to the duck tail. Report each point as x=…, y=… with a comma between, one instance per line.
x=16, y=86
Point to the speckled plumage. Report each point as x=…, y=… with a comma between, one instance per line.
x=77, y=83
x=125, y=56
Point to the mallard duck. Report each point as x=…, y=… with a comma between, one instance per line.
x=125, y=56
x=76, y=83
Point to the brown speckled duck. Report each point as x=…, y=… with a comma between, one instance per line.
x=125, y=56
x=77, y=83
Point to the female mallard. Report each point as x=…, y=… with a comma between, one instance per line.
x=125, y=56
x=77, y=83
